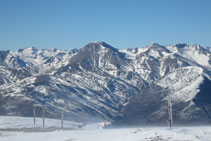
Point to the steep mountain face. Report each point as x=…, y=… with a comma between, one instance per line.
x=100, y=82
x=188, y=88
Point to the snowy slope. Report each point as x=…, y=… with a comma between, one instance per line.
x=195, y=53
x=37, y=61
x=183, y=88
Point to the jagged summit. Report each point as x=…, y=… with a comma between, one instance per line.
x=154, y=45
x=182, y=45
x=100, y=45
x=31, y=49
x=156, y=49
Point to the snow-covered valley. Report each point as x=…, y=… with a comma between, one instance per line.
x=95, y=132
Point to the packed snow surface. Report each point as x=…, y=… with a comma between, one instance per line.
x=93, y=132
x=18, y=123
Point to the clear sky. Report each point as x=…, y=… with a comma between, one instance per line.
x=66, y=24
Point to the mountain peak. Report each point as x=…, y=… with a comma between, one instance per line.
x=154, y=44
x=181, y=45
x=31, y=49
x=53, y=49
x=98, y=45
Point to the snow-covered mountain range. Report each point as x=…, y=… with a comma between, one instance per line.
x=99, y=82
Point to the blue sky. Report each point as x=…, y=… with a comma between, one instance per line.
x=66, y=24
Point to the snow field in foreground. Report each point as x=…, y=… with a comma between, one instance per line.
x=130, y=134
x=13, y=122
x=93, y=132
